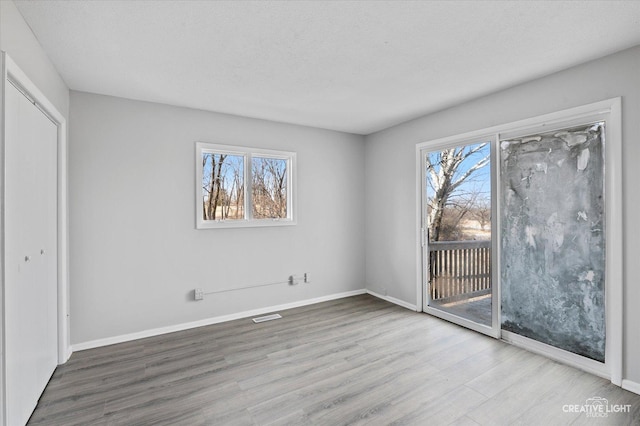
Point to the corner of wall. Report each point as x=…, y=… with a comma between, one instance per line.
x=19, y=42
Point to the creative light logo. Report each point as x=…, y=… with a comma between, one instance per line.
x=597, y=407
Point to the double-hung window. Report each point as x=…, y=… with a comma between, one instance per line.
x=240, y=186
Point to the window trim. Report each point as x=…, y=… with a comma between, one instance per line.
x=248, y=153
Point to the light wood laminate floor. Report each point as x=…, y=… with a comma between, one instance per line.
x=358, y=360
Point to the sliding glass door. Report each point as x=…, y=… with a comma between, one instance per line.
x=520, y=234
x=457, y=233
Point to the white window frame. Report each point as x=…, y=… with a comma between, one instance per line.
x=248, y=153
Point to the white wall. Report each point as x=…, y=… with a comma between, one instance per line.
x=135, y=253
x=390, y=173
x=19, y=42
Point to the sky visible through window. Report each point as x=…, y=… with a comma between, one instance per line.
x=479, y=181
x=459, y=192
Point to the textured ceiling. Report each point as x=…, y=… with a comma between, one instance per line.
x=352, y=66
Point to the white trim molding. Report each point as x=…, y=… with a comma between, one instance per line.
x=394, y=300
x=631, y=386
x=209, y=321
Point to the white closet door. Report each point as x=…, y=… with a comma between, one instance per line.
x=31, y=255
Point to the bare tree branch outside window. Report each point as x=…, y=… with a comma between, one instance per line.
x=269, y=187
x=238, y=187
x=222, y=186
x=458, y=190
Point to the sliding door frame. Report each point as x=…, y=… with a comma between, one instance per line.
x=607, y=110
x=438, y=145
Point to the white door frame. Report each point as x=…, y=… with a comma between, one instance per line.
x=11, y=73
x=611, y=111
x=437, y=145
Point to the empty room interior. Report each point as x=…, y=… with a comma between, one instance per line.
x=323, y=212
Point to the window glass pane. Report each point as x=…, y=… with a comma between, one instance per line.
x=459, y=193
x=458, y=207
x=269, y=187
x=222, y=186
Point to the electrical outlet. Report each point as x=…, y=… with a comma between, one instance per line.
x=293, y=280
x=198, y=294
x=307, y=277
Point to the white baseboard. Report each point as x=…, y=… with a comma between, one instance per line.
x=67, y=353
x=631, y=386
x=208, y=321
x=394, y=300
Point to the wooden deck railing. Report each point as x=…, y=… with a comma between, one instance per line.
x=459, y=269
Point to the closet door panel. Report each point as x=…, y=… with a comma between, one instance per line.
x=30, y=257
